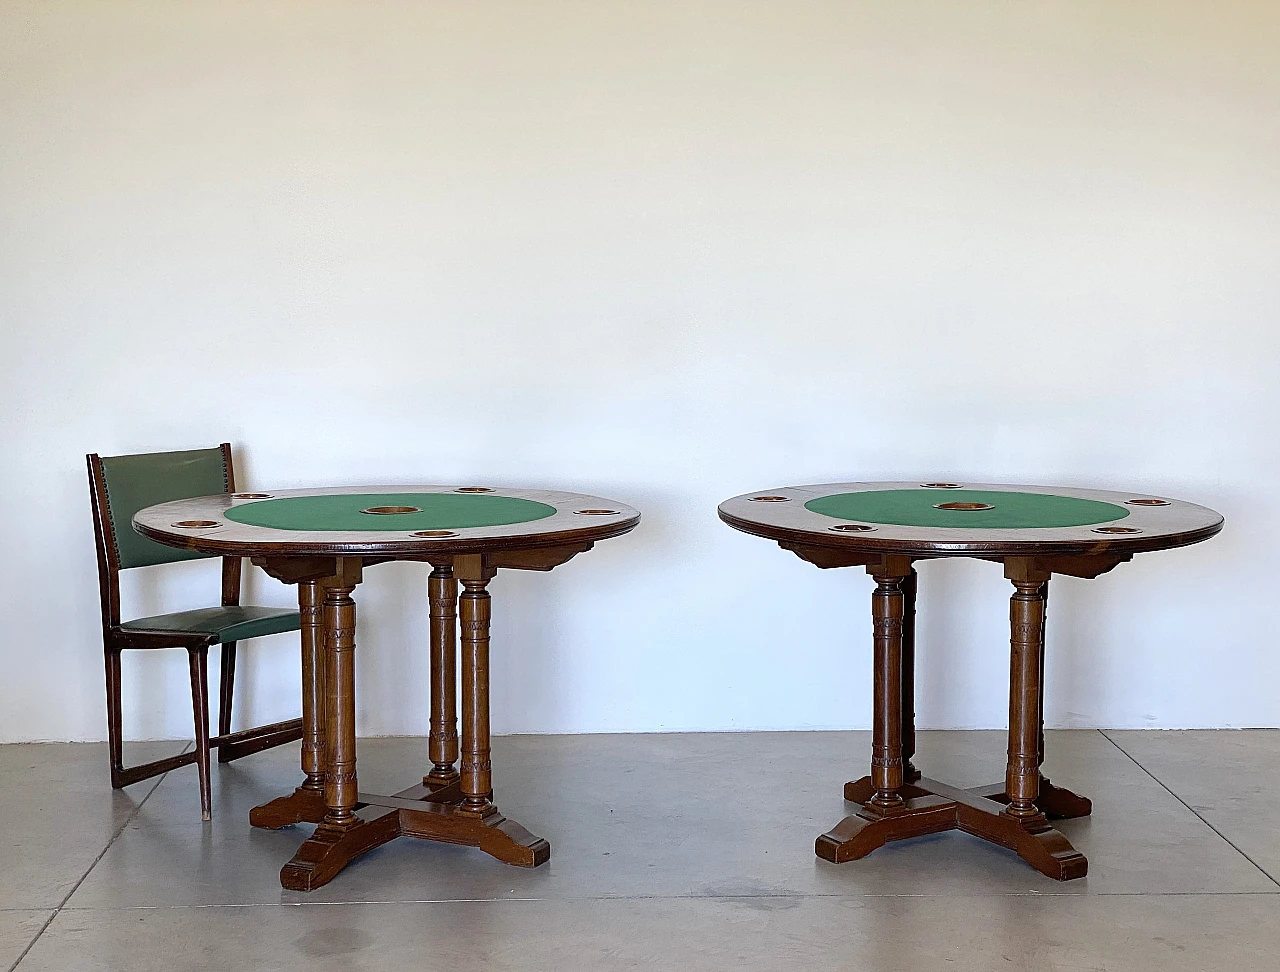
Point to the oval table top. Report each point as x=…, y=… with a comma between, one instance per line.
x=383, y=521
x=978, y=519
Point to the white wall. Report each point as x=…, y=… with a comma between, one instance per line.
x=665, y=252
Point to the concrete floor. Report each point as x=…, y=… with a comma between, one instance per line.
x=682, y=852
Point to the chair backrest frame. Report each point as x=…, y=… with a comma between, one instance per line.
x=108, y=547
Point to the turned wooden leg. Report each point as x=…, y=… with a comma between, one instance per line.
x=1044, y=640
x=306, y=803
x=341, y=836
x=443, y=742
x=862, y=791
x=891, y=808
x=1026, y=642
x=1035, y=841
x=476, y=775
x=887, y=605
x=1055, y=802
x=467, y=815
x=340, y=787
x=909, y=584
x=314, y=686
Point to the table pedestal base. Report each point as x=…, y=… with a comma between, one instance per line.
x=931, y=807
x=425, y=811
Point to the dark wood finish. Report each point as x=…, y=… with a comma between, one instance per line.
x=306, y=803
x=116, y=639
x=455, y=809
x=442, y=590
x=198, y=659
x=895, y=802
x=474, y=611
x=1076, y=550
x=909, y=589
x=886, y=719
x=1026, y=664
x=539, y=544
x=451, y=804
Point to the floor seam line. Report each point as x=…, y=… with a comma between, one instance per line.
x=1227, y=840
x=89, y=870
x=688, y=897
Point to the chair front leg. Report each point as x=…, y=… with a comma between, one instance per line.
x=199, y=660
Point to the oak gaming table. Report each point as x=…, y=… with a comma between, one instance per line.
x=321, y=540
x=1035, y=532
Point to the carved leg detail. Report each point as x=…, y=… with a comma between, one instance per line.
x=477, y=770
x=1026, y=627
x=306, y=803
x=925, y=806
x=341, y=835
x=909, y=585
x=458, y=811
x=886, y=720
x=443, y=744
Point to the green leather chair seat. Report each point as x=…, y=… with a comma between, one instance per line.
x=222, y=624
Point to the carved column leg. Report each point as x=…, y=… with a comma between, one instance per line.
x=314, y=694
x=1044, y=640
x=886, y=720
x=443, y=744
x=341, y=836
x=476, y=776
x=1026, y=625
x=472, y=818
x=1056, y=802
x=909, y=584
x=893, y=811
x=1022, y=825
x=306, y=803
x=340, y=787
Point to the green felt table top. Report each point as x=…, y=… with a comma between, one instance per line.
x=1008, y=510
x=431, y=511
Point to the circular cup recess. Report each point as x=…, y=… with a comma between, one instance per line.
x=251, y=495
x=940, y=485
x=966, y=507
x=851, y=528
x=196, y=524
x=392, y=510
x=1116, y=530
x=770, y=499
x=435, y=534
x=474, y=489
x=597, y=512
x=1146, y=502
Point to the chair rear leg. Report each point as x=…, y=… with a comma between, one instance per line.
x=226, y=693
x=114, y=740
x=199, y=659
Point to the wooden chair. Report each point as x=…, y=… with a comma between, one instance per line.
x=119, y=486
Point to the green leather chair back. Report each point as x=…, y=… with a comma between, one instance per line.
x=136, y=482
